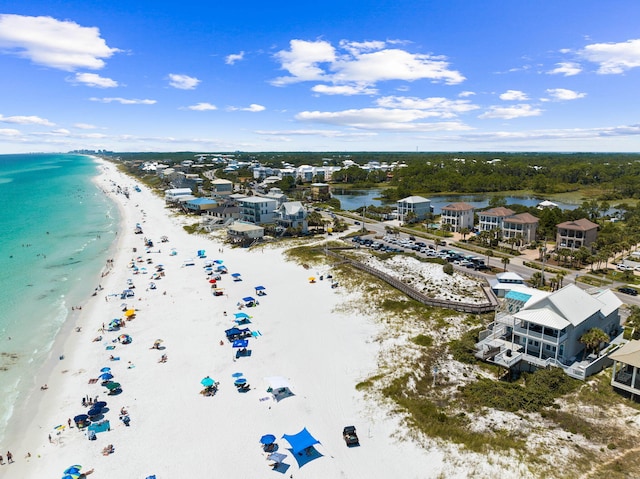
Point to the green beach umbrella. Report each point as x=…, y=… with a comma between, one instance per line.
x=112, y=385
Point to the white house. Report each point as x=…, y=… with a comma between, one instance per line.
x=492, y=219
x=292, y=214
x=458, y=216
x=626, y=367
x=257, y=210
x=419, y=206
x=547, y=332
x=172, y=195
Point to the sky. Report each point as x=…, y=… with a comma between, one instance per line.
x=348, y=75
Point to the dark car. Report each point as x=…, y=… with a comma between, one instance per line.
x=350, y=436
x=631, y=291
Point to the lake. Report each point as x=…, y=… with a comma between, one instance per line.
x=354, y=199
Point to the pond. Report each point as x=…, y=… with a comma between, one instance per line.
x=354, y=199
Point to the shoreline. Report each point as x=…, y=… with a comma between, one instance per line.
x=317, y=338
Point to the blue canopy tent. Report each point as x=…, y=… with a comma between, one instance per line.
x=301, y=441
x=260, y=290
x=202, y=253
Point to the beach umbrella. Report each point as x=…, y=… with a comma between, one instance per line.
x=94, y=411
x=240, y=381
x=218, y=261
x=267, y=439
x=277, y=457
x=106, y=376
x=237, y=375
x=73, y=469
x=158, y=342
x=240, y=343
x=130, y=312
x=311, y=278
x=81, y=418
x=248, y=299
x=207, y=382
x=112, y=386
x=105, y=370
x=100, y=404
x=236, y=275
x=212, y=281
x=241, y=315
x=208, y=268
x=59, y=427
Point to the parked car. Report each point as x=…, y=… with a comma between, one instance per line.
x=631, y=291
x=350, y=436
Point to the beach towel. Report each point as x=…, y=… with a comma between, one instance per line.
x=110, y=347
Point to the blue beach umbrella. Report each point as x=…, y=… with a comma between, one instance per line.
x=207, y=382
x=218, y=261
x=237, y=375
x=240, y=381
x=267, y=439
x=106, y=376
x=73, y=469
x=241, y=315
x=105, y=370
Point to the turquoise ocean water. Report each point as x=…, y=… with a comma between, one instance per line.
x=56, y=231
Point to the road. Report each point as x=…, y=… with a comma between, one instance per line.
x=516, y=265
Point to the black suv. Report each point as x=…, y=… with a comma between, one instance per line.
x=631, y=291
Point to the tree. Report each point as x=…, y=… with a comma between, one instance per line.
x=505, y=261
x=593, y=338
x=448, y=269
x=464, y=232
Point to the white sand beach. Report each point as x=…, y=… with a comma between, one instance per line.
x=175, y=431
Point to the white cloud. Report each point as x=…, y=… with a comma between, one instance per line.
x=183, y=82
x=124, y=101
x=9, y=132
x=64, y=45
x=465, y=94
x=233, y=58
x=566, y=68
x=321, y=133
x=514, y=95
x=85, y=126
x=203, y=106
x=359, y=65
x=254, y=107
x=562, y=94
x=95, y=80
x=346, y=90
x=511, y=112
x=302, y=61
x=380, y=119
x=440, y=107
x=61, y=132
x=613, y=58
x=26, y=120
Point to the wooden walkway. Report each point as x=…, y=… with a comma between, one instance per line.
x=474, y=308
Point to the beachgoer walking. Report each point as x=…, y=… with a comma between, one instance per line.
x=9, y=457
x=69, y=423
x=49, y=437
x=1, y=461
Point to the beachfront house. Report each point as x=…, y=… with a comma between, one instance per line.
x=292, y=214
x=493, y=218
x=172, y=195
x=420, y=208
x=576, y=234
x=257, y=210
x=199, y=206
x=457, y=216
x=244, y=233
x=626, y=368
x=547, y=332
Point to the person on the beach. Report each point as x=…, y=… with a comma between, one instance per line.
x=2, y=460
x=9, y=457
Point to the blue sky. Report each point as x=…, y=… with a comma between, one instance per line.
x=349, y=75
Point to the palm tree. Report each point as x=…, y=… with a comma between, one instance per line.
x=560, y=277
x=505, y=261
x=464, y=232
x=593, y=338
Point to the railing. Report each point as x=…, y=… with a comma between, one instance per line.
x=417, y=295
